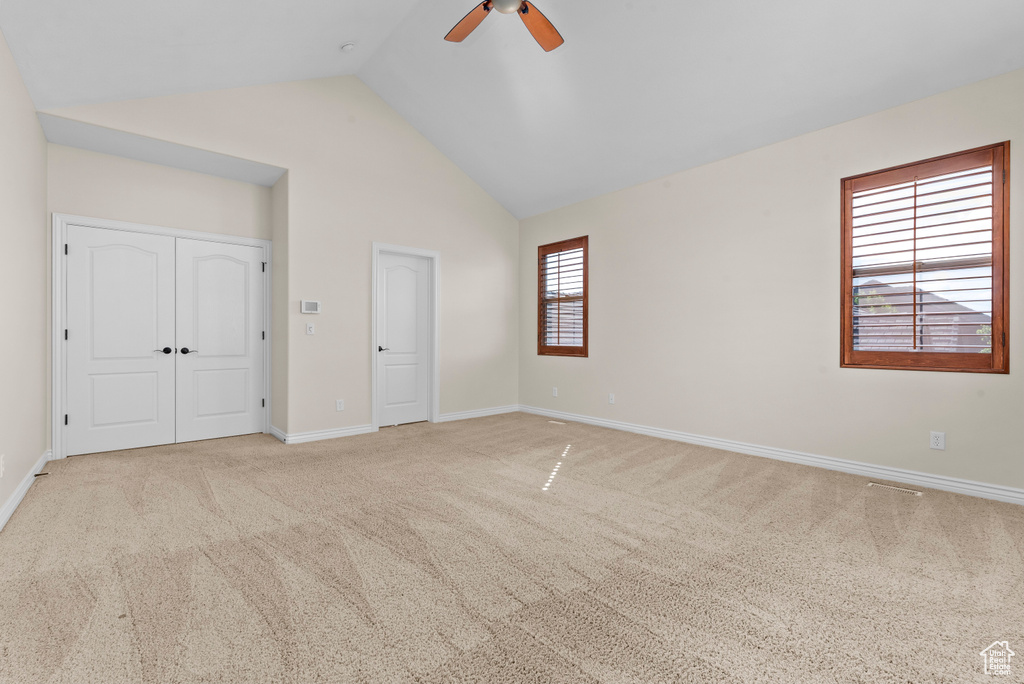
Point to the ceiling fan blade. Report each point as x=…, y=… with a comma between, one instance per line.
x=541, y=29
x=469, y=22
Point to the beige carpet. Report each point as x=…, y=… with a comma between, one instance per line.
x=431, y=553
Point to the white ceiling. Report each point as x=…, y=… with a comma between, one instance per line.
x=85, y=51
x=639, y=90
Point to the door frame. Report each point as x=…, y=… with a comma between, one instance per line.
x=58, y=307
x=433, y=317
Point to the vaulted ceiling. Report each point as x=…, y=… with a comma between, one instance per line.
x=639, y=90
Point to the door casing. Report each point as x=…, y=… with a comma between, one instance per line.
x=433, y=317
x=58, y=308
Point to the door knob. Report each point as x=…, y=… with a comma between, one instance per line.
x=186, y=350
x=380, y=348
x=165, y=350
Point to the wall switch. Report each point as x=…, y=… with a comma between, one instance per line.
x=611, y=398
x=310, y=329
x=339, y=405
x=554, y=391
x=937, y=441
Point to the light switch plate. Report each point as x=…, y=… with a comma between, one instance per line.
x=310, y=329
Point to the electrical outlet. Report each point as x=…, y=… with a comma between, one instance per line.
x=611, y=398
x=310, y=329
x=339, y=405
x=937, y=440
x=554, y=391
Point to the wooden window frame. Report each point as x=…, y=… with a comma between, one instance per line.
x=543, y=251
x=998, y=361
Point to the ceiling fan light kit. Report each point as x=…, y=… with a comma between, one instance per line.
x=542, y=30
x=507, y=6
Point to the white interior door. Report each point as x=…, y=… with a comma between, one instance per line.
x=403, y=339
x=220, y=339
x=120, y=318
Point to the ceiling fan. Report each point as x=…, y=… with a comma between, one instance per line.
x=541, y=29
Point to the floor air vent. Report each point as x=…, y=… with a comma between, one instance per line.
x=893, y=488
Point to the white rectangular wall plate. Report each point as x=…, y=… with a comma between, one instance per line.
x=310, y=306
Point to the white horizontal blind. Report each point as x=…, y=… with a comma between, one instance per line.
x=562, y=281
x=922, y=264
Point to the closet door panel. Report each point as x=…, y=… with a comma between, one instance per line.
x=220, y=340
x=120, y=319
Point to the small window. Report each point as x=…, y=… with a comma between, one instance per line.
x=562, y=298
x=925, y=265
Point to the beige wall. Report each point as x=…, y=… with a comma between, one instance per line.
x=358, y=173
x=714, y=291
x=279, y=333
x=714, y=302
x=86, y=183
x=23, y=282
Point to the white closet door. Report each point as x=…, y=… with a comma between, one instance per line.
x=220, y=340
x=120, y=318
x=403, y=335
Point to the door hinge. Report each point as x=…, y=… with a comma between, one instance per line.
x=263, y=334
x=1004, y=338
x=65, y=419
x=263, y=403
x=65, y=334
x=65, y=248
x=264, y=266
x=1004, y=175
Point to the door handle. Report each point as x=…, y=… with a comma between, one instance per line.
x=380, y=348
x=186, y=350
x=165, y=350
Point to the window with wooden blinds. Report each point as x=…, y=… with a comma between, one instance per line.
x=562, y=298
x=925, y=264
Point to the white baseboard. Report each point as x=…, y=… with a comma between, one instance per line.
x=12, y=502
x=949, y=484
x=317, y=435
x=300, y=437
x=477, y=413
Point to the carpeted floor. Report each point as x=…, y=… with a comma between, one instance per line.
x=431, y=553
